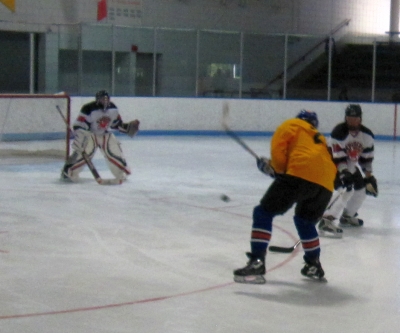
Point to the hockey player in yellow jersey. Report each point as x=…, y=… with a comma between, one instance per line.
x=299, y=150
x=304, y=174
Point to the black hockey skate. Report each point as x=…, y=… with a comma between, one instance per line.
x=313, y=270
x=327, y=228
x=64, y=173
x=253, y=272
x=350, y=221
x=66, y=178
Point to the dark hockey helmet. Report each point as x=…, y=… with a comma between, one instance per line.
x=101, y=94
x=353, y=110
x=102, y=98
x=353, y=117
x=309, y=116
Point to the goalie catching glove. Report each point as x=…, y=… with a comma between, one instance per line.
x=371, y=186
x=130, y=128
x=263, y=164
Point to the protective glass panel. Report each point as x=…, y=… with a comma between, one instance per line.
x=176, y=52
x=263, y=64
x=97, y=47
x=352, y=70
x=387, y=73
x=133, y=76
x=307, y=67
x=219, y=64
x=69, y=59
x=14, y=59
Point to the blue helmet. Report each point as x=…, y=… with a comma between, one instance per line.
x=309, y=116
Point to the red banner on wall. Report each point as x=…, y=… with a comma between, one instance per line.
x=101, y=10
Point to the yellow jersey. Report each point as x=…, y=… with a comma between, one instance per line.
x=298, y=149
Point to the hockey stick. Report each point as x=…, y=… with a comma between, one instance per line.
x=89, y=162
x=281, y=249
x=340, y=193
x=233, y=135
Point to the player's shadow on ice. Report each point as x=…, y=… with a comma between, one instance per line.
x=308, y=293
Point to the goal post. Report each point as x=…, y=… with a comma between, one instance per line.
x=31, y=125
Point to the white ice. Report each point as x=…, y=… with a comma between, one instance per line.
x=156, y=254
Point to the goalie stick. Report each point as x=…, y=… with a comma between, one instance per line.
x=89, y=162
x=290, y=249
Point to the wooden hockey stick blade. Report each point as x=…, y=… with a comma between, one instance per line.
x=281, y=249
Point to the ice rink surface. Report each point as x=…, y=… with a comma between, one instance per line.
x=156, y=254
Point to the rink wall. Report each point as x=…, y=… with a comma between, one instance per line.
x=202, y=116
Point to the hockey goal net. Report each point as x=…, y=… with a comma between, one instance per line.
x=34, y=125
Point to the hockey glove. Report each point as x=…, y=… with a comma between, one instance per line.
x=371, y=186
x=130, y=128
x=263, y=164
x=81, y=139
x=346, y=177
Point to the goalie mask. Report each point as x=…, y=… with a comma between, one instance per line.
x=103, y=98
x=309, y=116
x=353, y=116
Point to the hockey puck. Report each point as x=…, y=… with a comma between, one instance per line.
x=225, y=198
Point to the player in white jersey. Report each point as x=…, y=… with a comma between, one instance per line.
x=92, y=130
x=352, y=147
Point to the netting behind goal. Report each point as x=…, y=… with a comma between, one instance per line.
x=34, y=126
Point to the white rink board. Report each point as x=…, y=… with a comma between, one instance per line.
x=204, y=114
x=32, y=117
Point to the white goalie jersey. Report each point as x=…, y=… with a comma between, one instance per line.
x=96, y=120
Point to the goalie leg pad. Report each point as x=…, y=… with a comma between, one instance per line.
x=76, y=163
x=355, y=202
x=73, y=167
x=82, y=139
x=111, y=149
